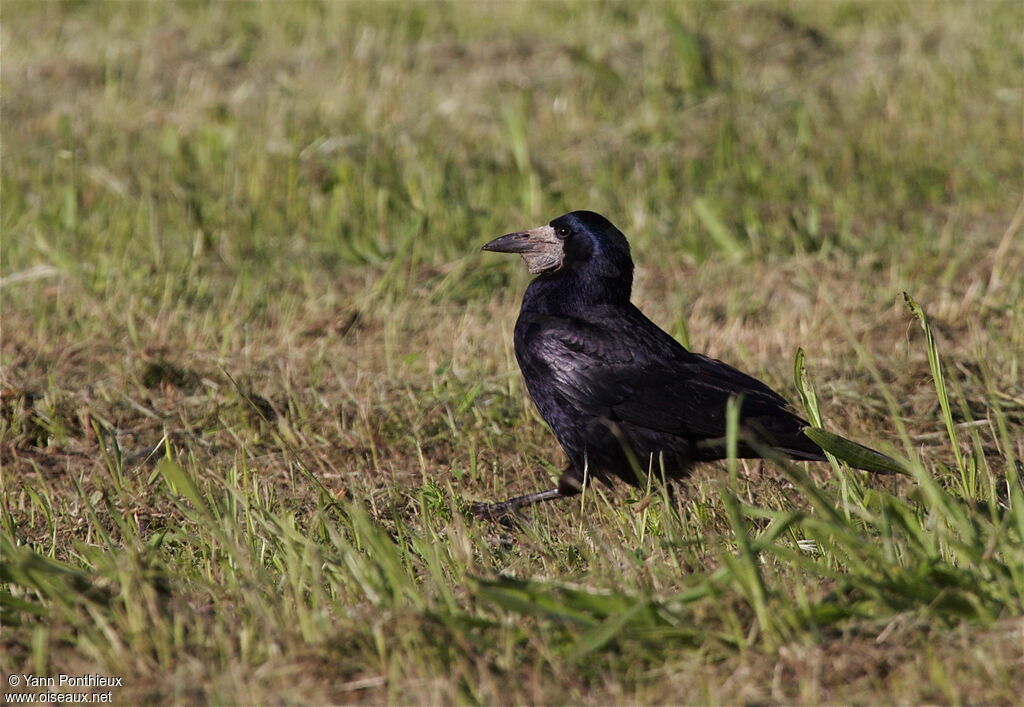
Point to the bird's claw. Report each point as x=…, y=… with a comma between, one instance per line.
x=489, y=511
x=503, y=513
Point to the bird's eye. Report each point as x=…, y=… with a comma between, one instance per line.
x=563, y=231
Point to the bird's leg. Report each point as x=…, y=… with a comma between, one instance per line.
x=569, y=484
x=503, y=508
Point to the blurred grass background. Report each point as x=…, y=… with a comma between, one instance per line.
x=246, y=236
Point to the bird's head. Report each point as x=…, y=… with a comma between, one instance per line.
x=581, y=240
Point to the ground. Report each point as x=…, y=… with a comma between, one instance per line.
x=255, y=368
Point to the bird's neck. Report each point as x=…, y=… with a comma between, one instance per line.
x=578, y=289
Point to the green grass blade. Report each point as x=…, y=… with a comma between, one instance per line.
x=856, y=455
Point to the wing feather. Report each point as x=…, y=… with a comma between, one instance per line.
x=657, y=384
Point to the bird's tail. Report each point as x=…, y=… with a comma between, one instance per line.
x=856, y=455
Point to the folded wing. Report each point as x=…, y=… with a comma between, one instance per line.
x=646, y=379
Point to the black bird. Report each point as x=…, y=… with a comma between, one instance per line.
x=623, y=397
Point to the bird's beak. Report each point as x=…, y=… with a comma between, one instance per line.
x=542, y=250
x=520, y=242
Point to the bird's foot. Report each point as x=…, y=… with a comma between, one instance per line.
x=505, y=510
x=493, y=511
x=504, y=514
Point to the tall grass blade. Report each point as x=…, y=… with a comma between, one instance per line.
x=935, y=364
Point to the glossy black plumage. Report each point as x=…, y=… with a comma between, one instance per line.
x=622, y=397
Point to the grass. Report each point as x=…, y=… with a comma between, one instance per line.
x=254, y=368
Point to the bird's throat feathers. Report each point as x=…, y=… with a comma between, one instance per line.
x=594, y=281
